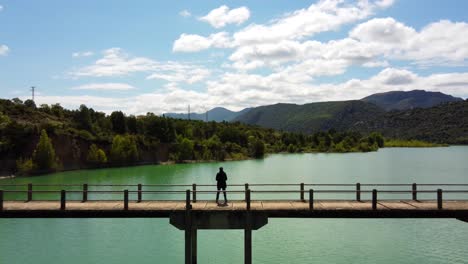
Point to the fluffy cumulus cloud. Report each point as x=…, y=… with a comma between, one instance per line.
x=104, y=87
x=4, y=50
x=280, y=61
x=239, y=90
x=115, y=62
x=193, y=42
x=222, y=16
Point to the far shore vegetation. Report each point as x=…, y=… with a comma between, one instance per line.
x=36, y=140
x=399, y=143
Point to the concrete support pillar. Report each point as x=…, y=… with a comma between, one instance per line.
x=194, y=245
x=188, y=229
x=248, y=231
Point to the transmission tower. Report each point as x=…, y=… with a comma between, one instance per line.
x=33, y=88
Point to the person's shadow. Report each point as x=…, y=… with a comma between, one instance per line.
x=223, y=204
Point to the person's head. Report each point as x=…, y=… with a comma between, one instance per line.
x=220, y=168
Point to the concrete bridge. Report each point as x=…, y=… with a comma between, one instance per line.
x=250, y=213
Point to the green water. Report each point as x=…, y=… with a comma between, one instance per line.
x=108, y=241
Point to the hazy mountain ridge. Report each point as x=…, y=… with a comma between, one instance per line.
x=446, y=122
x=400, y=100
x=217, y=114
x=340, y=115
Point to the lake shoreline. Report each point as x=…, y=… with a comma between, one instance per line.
x=171, y=162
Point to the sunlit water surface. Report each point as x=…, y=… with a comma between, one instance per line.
x=301, y=241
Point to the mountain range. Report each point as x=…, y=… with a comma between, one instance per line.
x=398, y=100
x=217, y=114
x=422, y=115
x=417, y=114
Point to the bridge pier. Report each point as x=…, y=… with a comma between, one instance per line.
x=191, y=221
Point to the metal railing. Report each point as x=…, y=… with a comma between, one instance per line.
x=191, y=191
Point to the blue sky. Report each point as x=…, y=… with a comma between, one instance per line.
x=160, y=56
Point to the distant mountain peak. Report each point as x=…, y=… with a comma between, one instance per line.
x=217, y=114
x=401, y=100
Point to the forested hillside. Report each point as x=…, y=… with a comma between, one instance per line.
x=443, y=123
x=47, y=138
x=400, y=100
x=313, y=117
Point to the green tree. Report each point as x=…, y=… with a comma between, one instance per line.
x=30, y=103
x=44, y=155
x=132, y=124
x=24, y=166
x=119, y=125
x=185, y=149
x=124, y=149
x=83, y=118
x=96, y=156
x=377, y=138
x=256, y=147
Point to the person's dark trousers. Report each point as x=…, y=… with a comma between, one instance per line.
x=224, y=192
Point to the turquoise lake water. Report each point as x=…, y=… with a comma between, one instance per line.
x=301, y=241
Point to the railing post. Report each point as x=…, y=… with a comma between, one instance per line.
x=85, y=192
x=62, y=199
x=374, y=199
x=139, y=192
x=439, y=199
x=125, y=199
x=1, y=200
x=302, y=192
x=311, y=199
x=29, y=192
x=188, y=206
x=246, y=188
x=415, y=195
x=247, y=199
x=194, y=190
x=358, y=192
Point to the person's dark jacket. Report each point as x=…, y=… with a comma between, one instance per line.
x=221, y=178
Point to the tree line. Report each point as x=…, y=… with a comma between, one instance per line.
x=96, y=139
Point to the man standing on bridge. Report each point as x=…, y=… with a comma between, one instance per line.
x=221, y=179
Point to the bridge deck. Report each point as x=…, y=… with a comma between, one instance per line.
x=293, y=208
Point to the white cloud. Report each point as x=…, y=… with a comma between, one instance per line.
x=82, y=54
x=383, y=31
x=4, y=50
x=115, y=62
x=439, y=43
x=326, y=15
x=385, y=3
x=189, y=76
x=238, y=90
x=105, y=87
x=185, y=13
x=193, y=43
x=222, y=16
